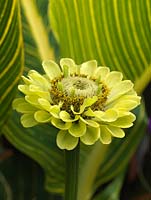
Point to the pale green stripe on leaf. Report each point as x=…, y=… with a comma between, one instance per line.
x=39, y=143
x=108, y=31
x=126, y=56
x=3, y=12
x=121, y=151
x=38, y=29
x=11, y=52
x=135, y=32
x=78, y=27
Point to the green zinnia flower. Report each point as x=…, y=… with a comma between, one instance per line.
x=84, y=102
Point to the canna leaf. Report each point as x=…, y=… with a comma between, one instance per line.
x=11, y=54
x=115, y=33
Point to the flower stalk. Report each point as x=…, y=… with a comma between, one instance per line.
x=87, y=175
x=72, y=166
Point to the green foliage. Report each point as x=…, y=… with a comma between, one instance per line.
x=5, y=191
x=116, y=34
x=39, y=144
x=11, y=54
x=114, y=160
x=112, y=191
x=121, y=151
x=21, y=178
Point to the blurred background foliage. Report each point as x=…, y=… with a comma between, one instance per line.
x=115, y=33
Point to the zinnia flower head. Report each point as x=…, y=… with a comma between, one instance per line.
x=85, y=102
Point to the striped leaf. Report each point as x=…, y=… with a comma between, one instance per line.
x=112, y=191
x=11, y=54
x=5, y=190
x=27, y=182
x=114, y=160
x=39, y=142
x=121, y=151
x=116, y=33
x=80, y=37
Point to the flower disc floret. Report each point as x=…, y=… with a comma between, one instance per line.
x=85, y=102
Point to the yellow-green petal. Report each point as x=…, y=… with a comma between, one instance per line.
x=28, y=120
x=24, y=89
x=105, y=135
x=42, y=116
x=66, y=141
x=70, y=63
x=87, y=102
x=37, y=90
x=125, y=121
x=17, y=101
x=101, y=72
x=55, y=110
x=107, y=116
x=58, y=123
x=77, y=129
x=90, y=122
x=89, y=113
x=38, y=79
x=51, y=69
x=33, y=100
x=127, y=102
x=65, y=116
x=66, y=71
x=116, y=132
x=91, y=136
x=26, y=80
x=132, y=97
x=126, y=105
x=113, y=78
x=45, y=104
x=25, y=108
x=120, y=89
x=88, y=68
x=110, y=115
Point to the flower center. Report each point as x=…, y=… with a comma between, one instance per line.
x=79, y=86
x=74, y=90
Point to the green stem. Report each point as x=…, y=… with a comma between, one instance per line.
x=72, y=166
x=89, y=171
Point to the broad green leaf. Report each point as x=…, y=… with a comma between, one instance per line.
x=33, y=55
x=21, y=178
x=115, y=33
x=105, y=163
x=11, y=54
x=112, y=191
x=33, y=60
x=40, y=144
x=38, y=28
x=122, y=150
x=5, y=190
